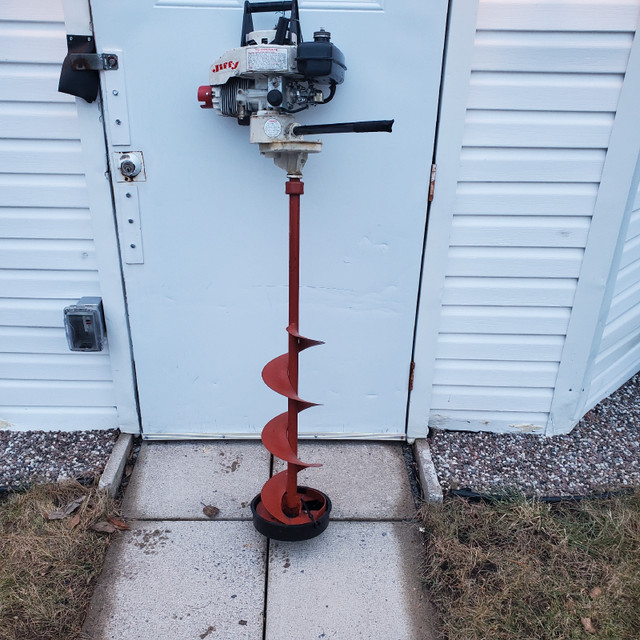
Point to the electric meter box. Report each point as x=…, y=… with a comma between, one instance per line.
x=84, y=325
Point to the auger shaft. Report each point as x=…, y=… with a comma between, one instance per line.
x=294, y=189
x=283, y=509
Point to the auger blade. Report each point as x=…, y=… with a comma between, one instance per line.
x=272, y=497
x=274, y=437
x=276, y=377
x=303, y=343
x=283, y=509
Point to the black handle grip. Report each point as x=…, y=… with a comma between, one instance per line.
x=274, y=6
x=268, y=7
x=368, y=126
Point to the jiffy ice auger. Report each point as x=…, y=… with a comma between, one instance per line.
x=263, y=83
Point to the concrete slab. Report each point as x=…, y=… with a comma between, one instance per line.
x=178, y=580
x=365, y=480
x=174, y=480
x=358, y=580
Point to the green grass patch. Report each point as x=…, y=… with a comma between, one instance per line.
x=523, y=570
x=48, y=567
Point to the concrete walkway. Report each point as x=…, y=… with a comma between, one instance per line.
x=178, y=575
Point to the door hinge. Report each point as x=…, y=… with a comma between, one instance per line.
x=412, y=368
x=432, y=182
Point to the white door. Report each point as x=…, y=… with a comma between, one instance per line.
x=206, y=281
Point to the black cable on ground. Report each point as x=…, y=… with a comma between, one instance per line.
x=474, y=496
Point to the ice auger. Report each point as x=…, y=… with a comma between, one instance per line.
x=272, y=75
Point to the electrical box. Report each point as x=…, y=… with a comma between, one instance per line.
x=84, y=325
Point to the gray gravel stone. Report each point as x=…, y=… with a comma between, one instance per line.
x=28, y=457
x=601, y=454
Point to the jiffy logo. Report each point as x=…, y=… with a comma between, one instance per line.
x=230, y=64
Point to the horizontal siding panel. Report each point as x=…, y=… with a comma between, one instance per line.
x=32, y=42
x=74, y=366
x=33, y=340
x=505, y=320
x=546, y=92
x=41, y=156
x=484, y=373
x=531, y=292
x=24, y=190
x=46, y=223
x=531, y=165
x=474, y=346
x=627, y=277
x=490, y=399
x=47, y=254
x=611, y=379
x=537, y=129
x=60, y=418
x=520, y=231
x=552, y=51
x=15, y=312
x=514, y=262
x=54, y=393
x=30, y=83
x=634, y=225
x=610, y=358
x=496, y=421
x=620, y=328
x=16, y=283
x=568, y=15
x=624, y=302
x=513, y=198
x=46, y=121
x=33, y=10
x=631, y=252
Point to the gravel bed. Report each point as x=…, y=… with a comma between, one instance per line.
x=28, y=457
x=601, y=454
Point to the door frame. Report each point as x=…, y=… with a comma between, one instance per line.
x=77, y=17
x=456, y=70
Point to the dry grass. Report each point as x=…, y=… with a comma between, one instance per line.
x=47, y=568
x=518, y=569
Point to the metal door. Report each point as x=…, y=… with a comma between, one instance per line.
x=206, y=277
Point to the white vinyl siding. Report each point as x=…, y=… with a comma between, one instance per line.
x=619, y=354
x=47, y=254
x=544, y=80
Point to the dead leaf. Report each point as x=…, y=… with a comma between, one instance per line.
x=119, y=524
x=67, y=511
x=128, y=469
x=588, y=625
x=210, y=511
x=74, y=522
x=596, y=592
x=103, y=527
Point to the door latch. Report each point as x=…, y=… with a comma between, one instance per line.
x=93, y=61
x=80, y=68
